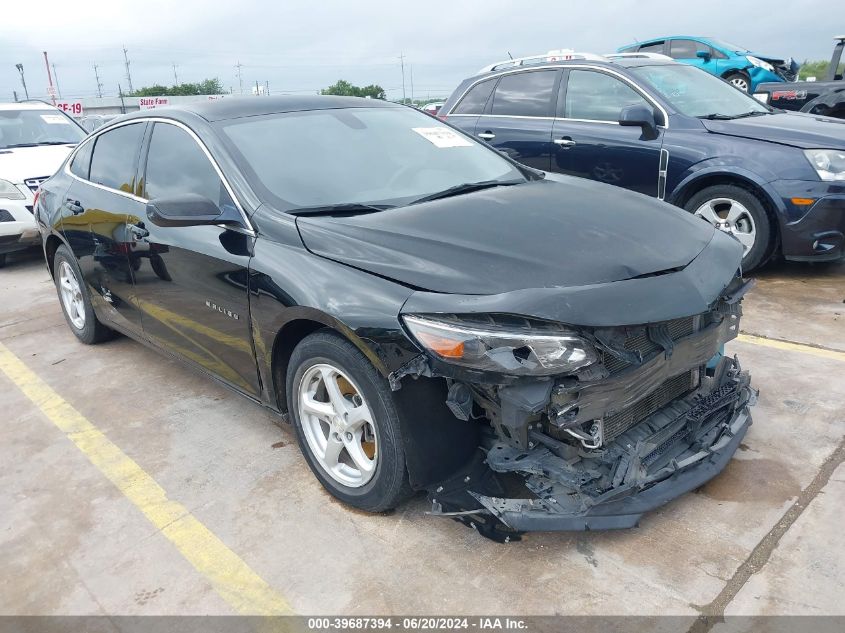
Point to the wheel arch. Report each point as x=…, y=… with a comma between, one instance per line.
x=307, y=321
x=51, y=245
x=697, y=182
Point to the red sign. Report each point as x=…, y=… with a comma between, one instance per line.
x=148, y=103
x=73, y=108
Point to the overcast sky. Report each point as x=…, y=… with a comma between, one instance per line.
x=302, y=46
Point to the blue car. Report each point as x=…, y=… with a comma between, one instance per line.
x=774, y=180
x=733, y=63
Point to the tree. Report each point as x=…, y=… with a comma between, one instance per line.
x=205, y=87
x=345, y=89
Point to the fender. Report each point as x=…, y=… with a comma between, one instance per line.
x=702, y=170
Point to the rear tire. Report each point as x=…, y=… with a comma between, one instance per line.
x=360, y=463
x=740, y=81
x=739, y=212
x=76, y=300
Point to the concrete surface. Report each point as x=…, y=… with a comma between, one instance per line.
x=760, y=539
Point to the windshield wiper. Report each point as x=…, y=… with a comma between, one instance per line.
x=718, y=116
x=344, y=208
x=467, y=187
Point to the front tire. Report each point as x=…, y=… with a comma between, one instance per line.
x=739, y=80
x=738, y=212
x=346, y=423
x=76, y=301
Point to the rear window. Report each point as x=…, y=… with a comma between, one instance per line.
x=116, y=156
x=476, y=98
x=525, y=94
x=82, y=161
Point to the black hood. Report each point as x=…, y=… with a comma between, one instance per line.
x=537, y=235
x=806, y=131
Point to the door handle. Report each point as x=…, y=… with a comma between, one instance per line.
x=137, y=231
x=74, y=206
x=564, y=142
x=487, y=136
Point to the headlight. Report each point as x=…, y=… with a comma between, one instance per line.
x=828, y=163
x=8, y=191
x=754, y=61
x=501, y=348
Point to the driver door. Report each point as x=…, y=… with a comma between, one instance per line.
x=191, y=282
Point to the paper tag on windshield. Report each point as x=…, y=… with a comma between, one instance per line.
x=54, y=119
x=442, y=136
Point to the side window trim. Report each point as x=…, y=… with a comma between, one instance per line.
x=664, y=114
x=143, y=149
x=642, y=93
x=488, y=109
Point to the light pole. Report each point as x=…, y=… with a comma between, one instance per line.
x=23, y=80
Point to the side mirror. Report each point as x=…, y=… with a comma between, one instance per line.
x=705, y=55
x=188, y=209
x=639, y=115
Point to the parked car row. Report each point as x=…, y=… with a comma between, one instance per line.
x=471, y=305
x=641, y=121
x=34, y=140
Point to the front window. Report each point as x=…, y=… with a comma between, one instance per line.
x=382, y=155
x=699, y=94
x=31, y=128
x=595, y=96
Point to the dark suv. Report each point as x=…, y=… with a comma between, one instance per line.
x=774, y=180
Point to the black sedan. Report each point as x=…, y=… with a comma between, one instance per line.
x=537, y=352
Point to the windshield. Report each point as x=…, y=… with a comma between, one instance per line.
x=28, y=128
x=699, y=94
x=379, y=156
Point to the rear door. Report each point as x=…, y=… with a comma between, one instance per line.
x=519, y=116
x=192, y=285
x=99, y=208
x=465, y=114
x=590, y=143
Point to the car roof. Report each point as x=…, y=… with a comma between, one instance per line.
x=26, y=105
x=237, y=107
x=624, y=62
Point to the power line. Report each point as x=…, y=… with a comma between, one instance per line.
x=402, y=62
x=128, y=74
x=99, y=83
x=240, y=79
x=56, y=76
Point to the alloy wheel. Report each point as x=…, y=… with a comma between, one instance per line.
x=731, y=217
x=71, y=293
x=741, y=83
x=338, y=425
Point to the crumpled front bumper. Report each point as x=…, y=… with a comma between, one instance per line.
x=626, y=512
x=508, y=490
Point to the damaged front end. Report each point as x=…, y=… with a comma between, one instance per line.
x=585, y=427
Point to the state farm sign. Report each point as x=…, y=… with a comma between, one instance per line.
x=148, y=103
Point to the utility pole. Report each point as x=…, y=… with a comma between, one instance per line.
x=175, y=76
x=411, y=68
x=56, y=76
x=99, y=84
x=257, y=89
x=240, y=79
x=122, y=104
x=51, y=90
x=266, y=88
x=23, y=79
x=402, y=62
x=128, y=74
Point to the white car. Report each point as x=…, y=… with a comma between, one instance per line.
x=35, y=138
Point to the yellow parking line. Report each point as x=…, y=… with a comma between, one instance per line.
x=791, y=347
x=244, y=590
